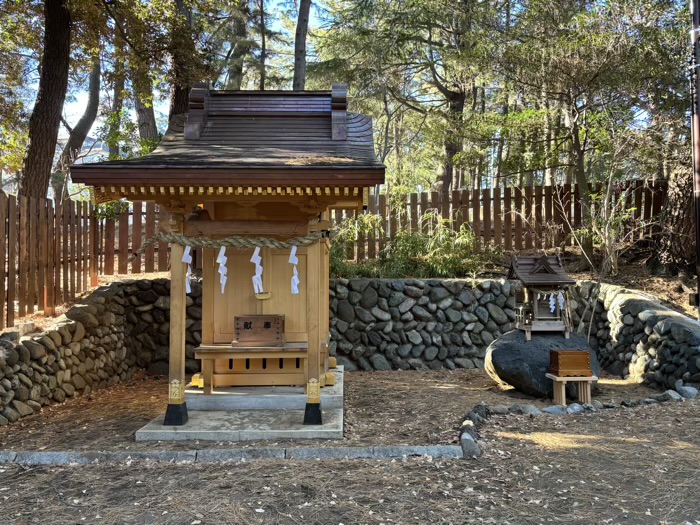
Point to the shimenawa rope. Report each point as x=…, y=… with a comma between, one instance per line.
x=229, y=242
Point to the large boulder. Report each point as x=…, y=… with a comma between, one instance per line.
x=523, y=364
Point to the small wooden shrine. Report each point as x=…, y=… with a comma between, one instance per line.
x=250, y=177
x=544, y=299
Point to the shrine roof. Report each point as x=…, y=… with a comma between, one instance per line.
x=539, y=270
x=302, y=138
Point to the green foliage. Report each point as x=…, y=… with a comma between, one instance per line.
x=110, y=210
x=441, y=253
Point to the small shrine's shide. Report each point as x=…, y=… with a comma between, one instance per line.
x=251, y=177
x=543, y=303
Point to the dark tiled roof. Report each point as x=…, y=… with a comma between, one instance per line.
x=241, y=130
x=539, y=270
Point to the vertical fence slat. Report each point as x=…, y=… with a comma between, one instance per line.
x=476, y=219
x=528, y=217
x=162, y=246
x=393, y=216
x=539, y=231
x=109, y=238
x=95, y=248
x=79, y=247
x=73, y=243
x=464, y=205
x=423, y=208
x=361, y=255
x=87, y=247
x=413, y=210
x=648, y=197
x=23, y=266
x=33, y=223
x=497, y=217
x=51, y=266
x=149, y=262
x=371, y=235
x=657, y=205
x=567, y=211
x=3, y=260
x=518, y=207
x=57, y=251
x=382, y=215
x=548, y=213
x=445, y=205
x=122, y=264
x=12, y=259
x=456, y=211
x=42, y=239
x=507, y=219
x=559, y=213
x=486, y=196
x=65, y=249
x=136, y=224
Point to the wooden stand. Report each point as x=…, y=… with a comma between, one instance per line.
x=285, y=365
x=584, y=388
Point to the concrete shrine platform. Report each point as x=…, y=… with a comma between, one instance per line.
x=252, y=413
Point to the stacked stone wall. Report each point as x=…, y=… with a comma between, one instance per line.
x=379, y=324
x=106, y=337
x=376, y=324
x=635, y=336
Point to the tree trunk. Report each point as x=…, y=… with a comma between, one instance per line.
x=183, y=51
x=77, y=135
x=299, y=80
x=578, y=154
x=145, y=115
x=677, y=238
x=117, y=105
x=263, y=45
x=452, y=142
x=46, y=116
x=239, y=48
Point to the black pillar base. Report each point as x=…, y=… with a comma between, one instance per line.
x=312, y=414
x=175, y=415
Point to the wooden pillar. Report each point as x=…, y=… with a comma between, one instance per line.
x=176, y=413
x=312, y=414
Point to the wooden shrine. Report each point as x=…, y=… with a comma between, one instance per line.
x=544, y=301
x=247, y=170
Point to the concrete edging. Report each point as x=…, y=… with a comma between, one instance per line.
x=60, y=458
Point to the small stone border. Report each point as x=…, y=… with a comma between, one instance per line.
x=468, y=432
x=226, y=455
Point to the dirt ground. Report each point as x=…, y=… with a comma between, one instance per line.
x=393, y=408
x=628, y=466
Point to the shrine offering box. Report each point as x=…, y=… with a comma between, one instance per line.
x=570, y=363
x=258, y=330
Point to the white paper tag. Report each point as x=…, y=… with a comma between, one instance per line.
x=293, y=259
x=256, y=257
x=188, y=288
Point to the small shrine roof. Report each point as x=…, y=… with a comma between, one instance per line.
x=539, y=270
x=255, y=138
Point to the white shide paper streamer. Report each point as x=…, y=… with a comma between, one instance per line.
x=221, y=259
x=187, y=259
x=294, y=260
x=257, y=278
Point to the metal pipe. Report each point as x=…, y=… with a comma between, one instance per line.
x=695, y=130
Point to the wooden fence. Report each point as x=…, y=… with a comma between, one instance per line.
x=49, y=256
x=513, y=219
